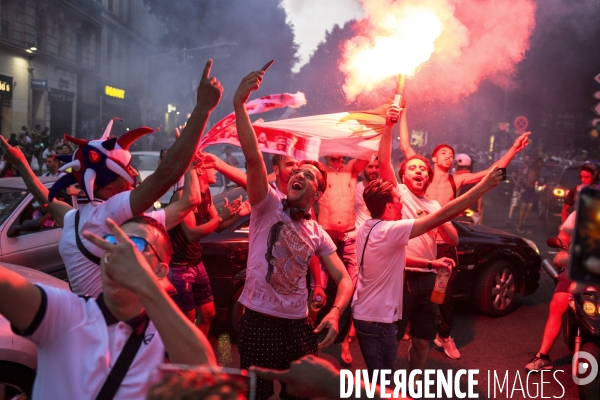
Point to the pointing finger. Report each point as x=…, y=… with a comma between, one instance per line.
x=269, y=373
x=207, y=68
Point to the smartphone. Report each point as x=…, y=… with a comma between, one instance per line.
x=240, y=380
x=503, y=174
x=267, y=66
x=584, y=260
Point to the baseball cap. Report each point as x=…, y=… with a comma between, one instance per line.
x=463, y=160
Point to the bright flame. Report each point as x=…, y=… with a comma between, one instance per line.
x=405, y=42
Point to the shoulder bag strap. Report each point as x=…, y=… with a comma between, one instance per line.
x=119, y=370
x=80, y=246
x=362, y=257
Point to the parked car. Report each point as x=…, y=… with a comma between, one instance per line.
x=552, y=197
x=18, y=356
x=494, y=266
x=23, y=240
x=146, y=162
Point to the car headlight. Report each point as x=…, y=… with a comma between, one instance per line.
x=558, y=192
x=589, y=308
x=532, y=245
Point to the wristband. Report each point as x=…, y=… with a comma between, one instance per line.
x=430, y=265
x=339, y=309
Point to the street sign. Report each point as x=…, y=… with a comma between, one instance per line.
x=597, y=78
x=521, y=123
x=596, y=109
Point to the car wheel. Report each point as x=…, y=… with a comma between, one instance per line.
x=16, y=381
x=236, y=310
x=592, y=389
x=496, y=289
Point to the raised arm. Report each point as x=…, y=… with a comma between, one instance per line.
x=184, y=343
x=358, y=166
x=187, y=202
x=19, y=299
x=456, y=206
x=520, y=143
x=178, y=158
x=256, y=170
x=232, y=173
x=13, y=155
x=386, y=169
x=404, y=137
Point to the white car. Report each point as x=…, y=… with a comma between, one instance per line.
x=18, y=356
x=146, y=162
x=23, y=239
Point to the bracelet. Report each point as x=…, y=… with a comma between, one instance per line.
x=430, y=265
x=319, y=285
x=339, y=309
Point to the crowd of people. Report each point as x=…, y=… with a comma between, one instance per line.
x=141, y=295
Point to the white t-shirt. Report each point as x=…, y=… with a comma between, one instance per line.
x=424, y=246
x=84, y=275
x=278, y=287
x=378, y=295
x=78, y=345
x=361, y=212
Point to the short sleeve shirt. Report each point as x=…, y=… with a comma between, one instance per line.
x=84, y=275
x=77, y=349
x=378, y=295
x=280, y=251
x=361, y=212
x=424, y=246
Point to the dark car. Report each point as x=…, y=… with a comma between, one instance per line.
x=553, y=194
x=494, y=266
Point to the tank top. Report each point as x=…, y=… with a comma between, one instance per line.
x=184, y=250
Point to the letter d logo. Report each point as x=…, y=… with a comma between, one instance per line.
x=586, y=362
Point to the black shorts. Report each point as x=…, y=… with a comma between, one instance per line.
x=563, y=284
x=192, y=284
x=417, y=307
x=528, y=196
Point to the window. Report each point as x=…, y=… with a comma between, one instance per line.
x=9, y=200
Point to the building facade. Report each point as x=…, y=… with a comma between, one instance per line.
x=72, y=65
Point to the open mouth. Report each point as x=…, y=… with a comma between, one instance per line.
x=296, y=185
x=418, y=179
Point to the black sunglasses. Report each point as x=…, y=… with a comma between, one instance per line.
x=139, y=242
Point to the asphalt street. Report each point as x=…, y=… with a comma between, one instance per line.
x=495, y=346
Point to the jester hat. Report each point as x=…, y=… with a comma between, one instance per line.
x=97, y=163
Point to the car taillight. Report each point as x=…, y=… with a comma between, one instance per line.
x=558, y=192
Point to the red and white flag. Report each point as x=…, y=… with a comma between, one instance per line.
x=354, y=134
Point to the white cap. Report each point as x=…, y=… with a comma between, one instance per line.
x=463, y=160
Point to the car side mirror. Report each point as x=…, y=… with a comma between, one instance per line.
x=12, y=231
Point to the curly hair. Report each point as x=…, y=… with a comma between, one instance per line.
x=377, y=194
x=402, y=169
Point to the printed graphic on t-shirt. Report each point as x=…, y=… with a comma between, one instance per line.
x=288, y=254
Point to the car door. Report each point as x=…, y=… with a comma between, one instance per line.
x=33, y=249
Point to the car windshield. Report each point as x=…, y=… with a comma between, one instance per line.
x=144, y=162
x=570, y=178
x=9, y=200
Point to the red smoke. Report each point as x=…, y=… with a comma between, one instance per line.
x=480, y=40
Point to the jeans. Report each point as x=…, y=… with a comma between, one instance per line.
x=378, y=344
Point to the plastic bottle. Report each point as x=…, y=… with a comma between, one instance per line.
x=439, y=290
x=315, y=306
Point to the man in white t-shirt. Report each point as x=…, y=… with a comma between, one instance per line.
x=382, y=247
x=80, y=339
x=370, y=173
x=275, y=329
x=415, y=174
x=103, y=170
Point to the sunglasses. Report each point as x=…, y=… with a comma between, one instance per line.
x=140, y=243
